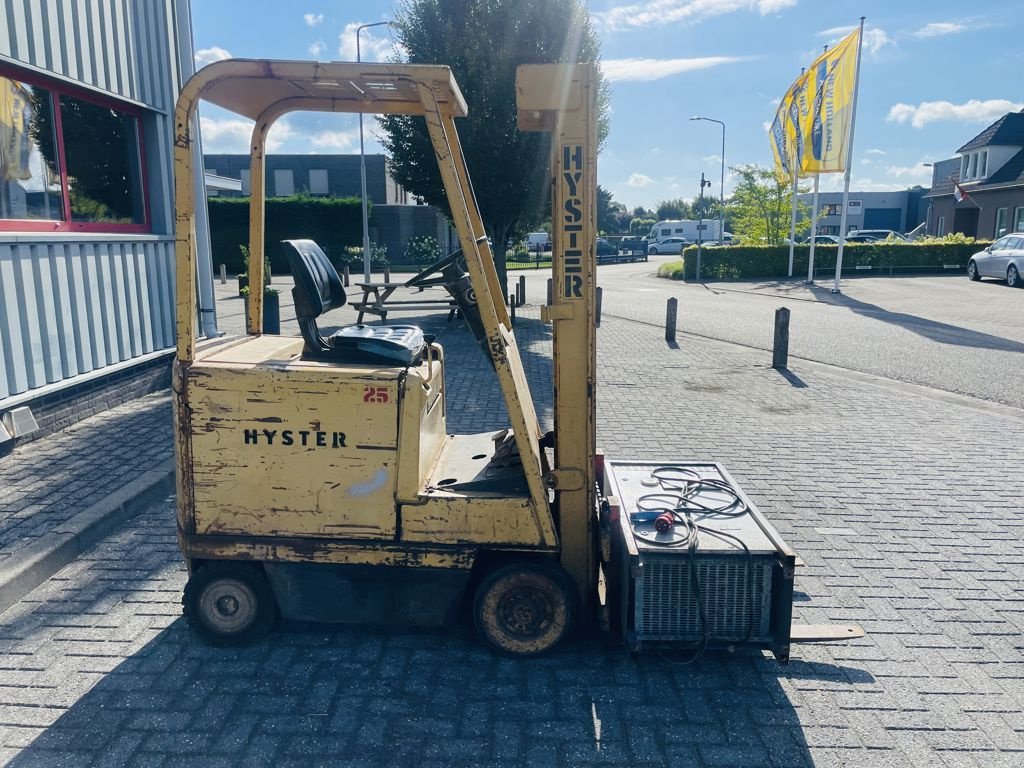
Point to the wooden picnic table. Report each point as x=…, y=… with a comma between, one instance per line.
x=377, y=300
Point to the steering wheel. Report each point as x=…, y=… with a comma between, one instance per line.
x=444, y=267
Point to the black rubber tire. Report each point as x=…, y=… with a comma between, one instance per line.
x=229, y=603
x=524, y=609
x=972, y=271
x=1013, y=278
x=652, y=251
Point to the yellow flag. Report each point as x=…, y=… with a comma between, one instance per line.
x=781, y=140
x=827, y=115
x=787, y=130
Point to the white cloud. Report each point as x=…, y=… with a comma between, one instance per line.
x=874, y=152
x=658, y=13
x=335, y=141
x=940, y=28
x=371, y=47
x=890, y=178
x=655, y=69
x=312, y=19
x=712, y=159
x=875, y=39
x=639, y=180
x=317, y=49
x=910, y=175
x=206, y=56
x=973, y=111
x=231, y=135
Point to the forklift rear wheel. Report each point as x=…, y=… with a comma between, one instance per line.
x=524, y=609
x=229, y=603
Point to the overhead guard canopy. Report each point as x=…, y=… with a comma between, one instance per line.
x=249, y=87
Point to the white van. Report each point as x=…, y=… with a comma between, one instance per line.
x=687, y=228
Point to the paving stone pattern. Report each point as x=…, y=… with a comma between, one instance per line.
x=903, y=504
x=45, y=482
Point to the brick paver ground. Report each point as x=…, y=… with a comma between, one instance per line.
x=903, y=502
x=46, y=482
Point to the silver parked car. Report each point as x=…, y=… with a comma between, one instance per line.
x=1003, y=259
x=668, y=245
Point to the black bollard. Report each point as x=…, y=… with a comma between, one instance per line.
x=780, y=353
x=670, y=320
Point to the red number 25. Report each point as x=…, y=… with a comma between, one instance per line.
x=375, y=395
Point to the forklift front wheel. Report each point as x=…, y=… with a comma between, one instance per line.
x=229, y=603
x=524, y=609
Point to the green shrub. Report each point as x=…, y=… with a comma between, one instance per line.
x=753, y=261
x=421, y=251
x=673, y=270
x=334, y=222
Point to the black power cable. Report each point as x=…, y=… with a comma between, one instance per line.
x=674, y=508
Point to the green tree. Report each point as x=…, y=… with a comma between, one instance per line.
x=674, y=209
x=610, y=214
x=759, y=209
x=483, y=41
x=640, y=227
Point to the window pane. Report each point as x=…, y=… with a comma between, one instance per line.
x=318, y=181
x=1000, y=222
x=101, y=149
x=284, y=183
x=1018, y=220
x=29, y=173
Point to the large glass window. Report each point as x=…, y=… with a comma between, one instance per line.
x=1000, y=222
x=30, y=185
x=68, y=161
x=1018, y=220
x=101, y=147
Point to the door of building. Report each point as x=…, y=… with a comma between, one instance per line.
x=965, y=220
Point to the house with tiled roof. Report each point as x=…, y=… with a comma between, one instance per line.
x=989, y=169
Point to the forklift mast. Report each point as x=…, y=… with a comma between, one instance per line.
x=562, y=99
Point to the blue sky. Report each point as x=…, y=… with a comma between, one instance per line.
x=934, y=73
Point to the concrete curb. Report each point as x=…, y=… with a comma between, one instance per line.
x=38, y=561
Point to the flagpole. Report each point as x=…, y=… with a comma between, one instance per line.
x=849, y=161
x=814, y=229
x=792, y=222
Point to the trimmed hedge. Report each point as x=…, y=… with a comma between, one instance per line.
x=334, y=222
x=746, y=261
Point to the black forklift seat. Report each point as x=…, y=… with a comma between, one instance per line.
x=318, y=289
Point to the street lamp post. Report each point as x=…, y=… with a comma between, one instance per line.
x=700, y=222
x=362, y=165
x=721, y=189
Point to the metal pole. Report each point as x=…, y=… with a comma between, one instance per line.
x=700, y=223
x=814, y=229
x=721, y=189
x=849, y=161
x=362, y=165
x=792, y=223
x=721, y=193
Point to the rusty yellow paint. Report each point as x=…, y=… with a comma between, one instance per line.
x=446, y=518
x=285, y=446
x=422, y=429
x=500, y=341
x=281, y=458
x=562, y=98
x=325, y=551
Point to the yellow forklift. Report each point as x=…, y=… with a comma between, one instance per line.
x=316, y=478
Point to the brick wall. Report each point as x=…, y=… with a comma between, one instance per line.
x=60, y=410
